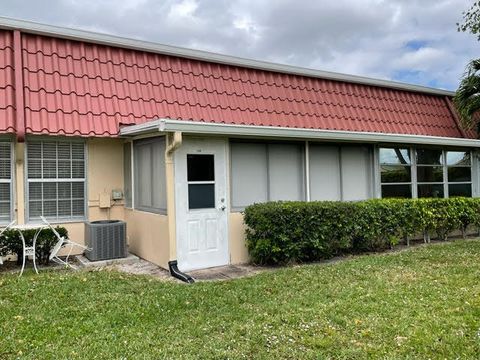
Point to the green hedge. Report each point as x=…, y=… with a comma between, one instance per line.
x=11, y=243
x=284, y=232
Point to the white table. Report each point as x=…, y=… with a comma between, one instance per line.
x=29, y=250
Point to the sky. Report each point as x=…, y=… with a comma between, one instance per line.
x=413, y=41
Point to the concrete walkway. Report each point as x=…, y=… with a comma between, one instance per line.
x=137, y=266
x=225, y=272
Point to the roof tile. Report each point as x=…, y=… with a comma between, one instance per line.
x=76, y=88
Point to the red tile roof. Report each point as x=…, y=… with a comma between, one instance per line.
x=7, y=87
x=79, y=88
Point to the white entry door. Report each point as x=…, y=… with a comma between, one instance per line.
x=201, y=203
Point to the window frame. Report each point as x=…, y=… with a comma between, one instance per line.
x=201, y=182
x=11, y=181
x=149, y=141
x=27, y=181
x=414, y=170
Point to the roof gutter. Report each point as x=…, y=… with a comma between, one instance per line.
x=197, y=127
x=121, y=42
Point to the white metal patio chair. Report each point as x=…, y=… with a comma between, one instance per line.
x=62, y=241
x=1, y=233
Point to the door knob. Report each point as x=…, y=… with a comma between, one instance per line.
x=223, y=207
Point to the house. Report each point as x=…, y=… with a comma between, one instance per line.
x=178, y=142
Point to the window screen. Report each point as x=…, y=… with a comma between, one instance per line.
x=325, y=172
x=149, y=175
x=127, y=173
x=56, y=179
x=249, y=174
x=356, y=172
x=262, y=172
x=285, y=172
x=5, y=181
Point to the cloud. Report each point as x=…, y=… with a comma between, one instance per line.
x=404, y=40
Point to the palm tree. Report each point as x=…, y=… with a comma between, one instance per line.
x=467, y=97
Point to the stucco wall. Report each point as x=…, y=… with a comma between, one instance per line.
x=148, y=236
x=236, y=235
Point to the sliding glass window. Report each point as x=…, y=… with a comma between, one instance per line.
x=430, y=174
x=459, y=173
x=396, y=172
x=424, y=173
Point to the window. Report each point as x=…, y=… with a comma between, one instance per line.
x=459, y=173
x=127, y=173
x=433, y=173
x=201, y=181
x=149, y=174
x=5, y=181
x=395, y=172
x=430, y=173
x=263, y=172
x=56, y=179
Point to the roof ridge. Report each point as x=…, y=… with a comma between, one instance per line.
x=122, y=42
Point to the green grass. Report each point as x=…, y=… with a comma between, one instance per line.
x=419, y=303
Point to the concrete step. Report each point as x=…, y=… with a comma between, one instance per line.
x=85, y=263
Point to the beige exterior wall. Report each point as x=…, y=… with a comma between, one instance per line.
x=148, y=236
x=236, y=235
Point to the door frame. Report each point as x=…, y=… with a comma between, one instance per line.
x=179, y=186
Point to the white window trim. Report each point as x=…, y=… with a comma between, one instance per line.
x=57, y=220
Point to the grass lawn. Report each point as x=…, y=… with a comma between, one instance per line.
x=420, y=303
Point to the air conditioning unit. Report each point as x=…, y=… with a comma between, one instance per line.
x=106, y=239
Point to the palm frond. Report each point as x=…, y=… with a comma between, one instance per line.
x=467, y=97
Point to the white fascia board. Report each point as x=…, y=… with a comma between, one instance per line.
x=140, y=129
x=117, y=41
x=196, y=127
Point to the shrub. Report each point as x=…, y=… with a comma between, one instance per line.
x=11, y=243
x=284, y=232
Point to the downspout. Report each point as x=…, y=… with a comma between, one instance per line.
x=18, y=78
x=174, y=141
